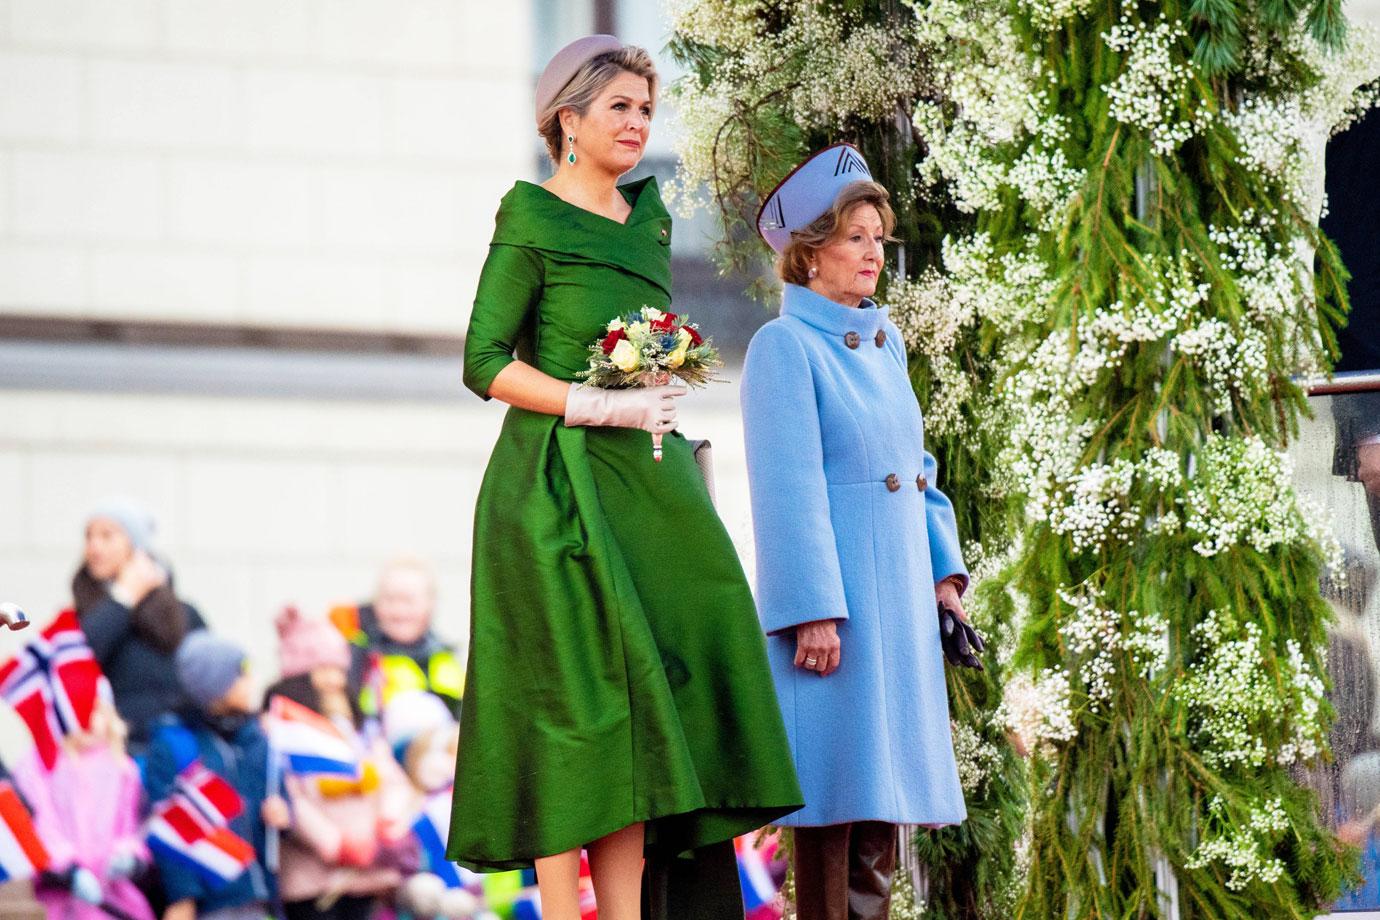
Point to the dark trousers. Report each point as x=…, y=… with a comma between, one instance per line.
x=701, y=886
x=346, y=907
x=844, y=871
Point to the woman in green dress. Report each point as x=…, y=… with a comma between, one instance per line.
x=618, y=695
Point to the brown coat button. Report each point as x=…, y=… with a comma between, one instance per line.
x=881, y=338
x=893, y=482
x=852, y=340
x=921, y=482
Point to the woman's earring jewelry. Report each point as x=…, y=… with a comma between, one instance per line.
x=571, y=158
x=813, y=271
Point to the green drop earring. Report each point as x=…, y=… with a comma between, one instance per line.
x=571, y=158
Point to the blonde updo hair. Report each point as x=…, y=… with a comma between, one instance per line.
x=589, y=81
x=793, y=266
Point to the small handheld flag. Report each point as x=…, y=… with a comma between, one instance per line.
x=54, y=684
x=191, y=827
x=309, y=742
x=22, y=854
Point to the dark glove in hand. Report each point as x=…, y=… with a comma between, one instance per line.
x=960, y=641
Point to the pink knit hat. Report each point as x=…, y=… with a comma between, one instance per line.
x=305, y=644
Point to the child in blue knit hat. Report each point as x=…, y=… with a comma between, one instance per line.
x=218, y=726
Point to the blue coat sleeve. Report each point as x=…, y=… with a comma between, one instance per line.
x=946, y=556
x=799, y=578
x=509, y=287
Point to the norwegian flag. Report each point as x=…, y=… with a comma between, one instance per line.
x=54, y=684
x=22, y=854
x=191, y=827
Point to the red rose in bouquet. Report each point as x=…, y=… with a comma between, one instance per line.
x=612, y=339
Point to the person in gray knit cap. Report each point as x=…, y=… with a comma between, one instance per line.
x=218, y=725
x=132, y=619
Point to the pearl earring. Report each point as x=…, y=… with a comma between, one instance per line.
x=813, y=271
x=571, y=159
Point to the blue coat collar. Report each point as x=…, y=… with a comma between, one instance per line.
x=828, y=316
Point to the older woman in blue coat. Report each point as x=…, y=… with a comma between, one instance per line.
x=855, y=543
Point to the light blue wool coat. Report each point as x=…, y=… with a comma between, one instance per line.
x=826, y=425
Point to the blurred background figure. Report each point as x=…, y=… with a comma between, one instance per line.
x=217, y=728
x=130, y=614
x=349, y=839
x=86, y=809
x=394, y=647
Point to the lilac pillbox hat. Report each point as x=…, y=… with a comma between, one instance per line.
x=808, y=191
x=567, y=63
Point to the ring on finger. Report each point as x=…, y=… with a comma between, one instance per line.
x=811, y=662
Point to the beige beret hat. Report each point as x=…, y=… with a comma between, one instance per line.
x=566, y=63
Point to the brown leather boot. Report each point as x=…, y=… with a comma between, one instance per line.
x=871, y=866
x=821, y=872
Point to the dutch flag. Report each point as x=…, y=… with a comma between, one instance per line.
x=308, y=742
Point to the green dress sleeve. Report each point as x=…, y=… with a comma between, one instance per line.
x=509, y=288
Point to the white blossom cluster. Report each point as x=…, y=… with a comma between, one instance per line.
x=934, y=310
x=1007, y=290
x=1276, y=285
x=1272, y=134
x=733, y=25
x=827, y=66
x=1347, y=87
x=1243, y=494
x=1244, y=850
x=1051, y=14
x=1237, y=698
x=977, y=759
x=1161, y=468
x=929, y=316
x=1309, y=692
x=703, y=111
x=1097, y=635
x=1038, y=711
x=1231, y=362
x=1152, y=86
x=1230, y=692
x=860, y=73
x=1095, y=506
x=1045, y=446
x=990, y=92
x=1044, y=177
x=1272, y=279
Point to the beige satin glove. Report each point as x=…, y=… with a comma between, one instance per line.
x=649, y=408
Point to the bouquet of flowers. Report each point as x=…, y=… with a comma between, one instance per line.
x=648, y=348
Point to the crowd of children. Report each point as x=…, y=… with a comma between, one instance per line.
x=325, y=798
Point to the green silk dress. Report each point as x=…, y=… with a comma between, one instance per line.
x=617, y=671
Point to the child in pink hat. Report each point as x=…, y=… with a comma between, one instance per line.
x=349, y=843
